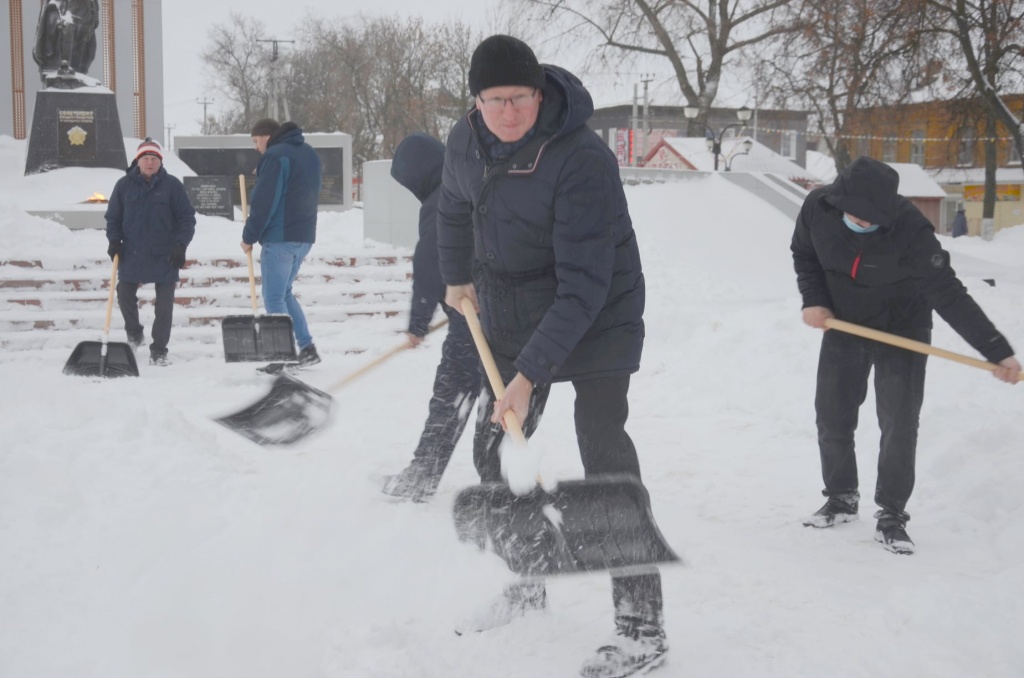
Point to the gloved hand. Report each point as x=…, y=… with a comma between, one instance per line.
x=177, y=257
x=114, y=249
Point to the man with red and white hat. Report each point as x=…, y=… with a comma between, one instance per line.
x=150, y=223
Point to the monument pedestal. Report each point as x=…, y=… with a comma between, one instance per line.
x=74, y=128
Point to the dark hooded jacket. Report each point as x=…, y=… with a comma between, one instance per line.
x=148, y=218
x=889, y=279
x=546, y=238
x=417, y=166
x=287, y=191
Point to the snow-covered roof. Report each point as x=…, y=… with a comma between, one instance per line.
x=915, y=181
x=760, y=159
x=823, y=165
x=976, y=175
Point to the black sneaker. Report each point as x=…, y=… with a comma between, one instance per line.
x=410, y=484
x=159, y=359
x=891, y=531
x=135, y=340
x=635, y=650
x=834, y=511
x=514, y=602
x=308, y=356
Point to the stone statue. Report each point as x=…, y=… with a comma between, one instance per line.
x=66, y=42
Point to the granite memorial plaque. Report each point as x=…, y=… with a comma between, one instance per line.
x=75, y=129
x=212, y=195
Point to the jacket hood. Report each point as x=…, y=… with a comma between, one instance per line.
x=288, y=133
x=417, y=164
x=567, y=103
x=867, y=189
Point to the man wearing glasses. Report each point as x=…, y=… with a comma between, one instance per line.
x=533, y=228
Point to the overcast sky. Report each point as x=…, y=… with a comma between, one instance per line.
x=187, y=22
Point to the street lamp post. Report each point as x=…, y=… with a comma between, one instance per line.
x=746, y=145
x=715, y=141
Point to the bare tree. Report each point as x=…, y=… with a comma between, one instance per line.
x=989, y=35
x=697, y=39
x=848, y=55
x=240, y=67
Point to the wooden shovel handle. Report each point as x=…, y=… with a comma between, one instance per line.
x=366, y=368
x=491, y=368
x=248, y=255
x=110, y=298
x=909, y=344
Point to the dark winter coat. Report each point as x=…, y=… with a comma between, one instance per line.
x=148, y=218
x=417, y=166
x=287, y=191
x=959, y=224
x=546, y=238
x=890, y=279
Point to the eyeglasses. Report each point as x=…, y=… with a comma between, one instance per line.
x=497, y=104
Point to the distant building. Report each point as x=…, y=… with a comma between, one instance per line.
x=129, y=62
x=692, y=153
x=784, y=132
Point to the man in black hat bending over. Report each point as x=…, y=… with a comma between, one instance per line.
x=533, y=228
x=864, y=254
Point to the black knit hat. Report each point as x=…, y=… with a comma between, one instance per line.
x=867, y=189
x=501, y=61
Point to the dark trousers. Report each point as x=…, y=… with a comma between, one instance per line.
x=128, y=302
x=456, y=389
x=601, y=410
x=844, y=365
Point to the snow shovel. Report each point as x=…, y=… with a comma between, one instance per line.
x=909, y=344
x=292, y=410
x=104, y=358
x=601, y=523
x=256, y=338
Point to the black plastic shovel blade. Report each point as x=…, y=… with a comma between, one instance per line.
x=258, y=339
x=89, y=360
x=290, y=412
x=601, y=523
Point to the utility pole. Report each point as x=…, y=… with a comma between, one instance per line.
x=204, y=103
x=645, y=78
x=632, y=130
x=276, y=93
x=167, y=141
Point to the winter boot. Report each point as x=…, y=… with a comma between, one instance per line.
x=637, y=648
x=834, y=511
x=135, y=340
x=891, y=531
x=308, y=356
x=412, y=484
x=514, y=602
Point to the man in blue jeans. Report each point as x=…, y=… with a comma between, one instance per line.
x=282, y=218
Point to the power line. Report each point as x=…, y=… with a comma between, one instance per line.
x=204, y=103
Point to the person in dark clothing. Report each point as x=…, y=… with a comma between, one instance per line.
x=534, y=229
x=864, y=254
x=417, y=166
x=959, y=223
x=150, y=223
x=282, y=218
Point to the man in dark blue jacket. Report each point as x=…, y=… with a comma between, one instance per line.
x=282, y=218
x=150, y=223
x=533, y=228
x=417, y=165
x=864, y=254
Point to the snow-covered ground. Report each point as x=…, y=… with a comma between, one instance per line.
x=139, y=538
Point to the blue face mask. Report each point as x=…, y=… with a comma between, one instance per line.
x=859, y=229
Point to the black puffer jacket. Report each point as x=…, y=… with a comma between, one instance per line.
x=890, y=279
x=546, y=238
x=417, y=165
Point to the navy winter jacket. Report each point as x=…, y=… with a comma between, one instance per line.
x=417, y=166
x=148, y=218
x=890, y=279
x=287, y=191
x=546, y=238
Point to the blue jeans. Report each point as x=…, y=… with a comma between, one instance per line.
x=279, y=264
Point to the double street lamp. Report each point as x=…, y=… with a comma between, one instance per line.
x=715, y=141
